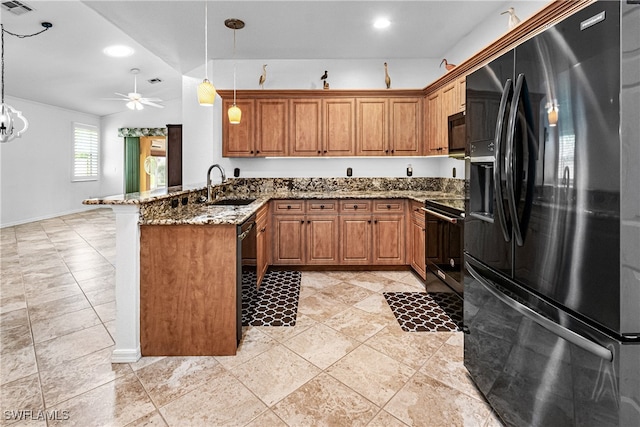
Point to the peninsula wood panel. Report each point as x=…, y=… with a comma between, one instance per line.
x=188, y=290
x=239, y=139
x=305, y=135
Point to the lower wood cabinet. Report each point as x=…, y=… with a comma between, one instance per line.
x=355, y=239
x=263, y=232
x=388, y=239
x=416, y=240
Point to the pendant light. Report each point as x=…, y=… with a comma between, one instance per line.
x=8, y=114
x=206, y=91
x=235, y=114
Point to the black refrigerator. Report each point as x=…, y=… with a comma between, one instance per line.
x=552, y=228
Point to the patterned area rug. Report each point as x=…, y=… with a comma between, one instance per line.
x=423, y=312
x=275, y=303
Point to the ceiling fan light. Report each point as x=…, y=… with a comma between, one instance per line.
x=206, y=93
x=235, y=114
x=135, y=105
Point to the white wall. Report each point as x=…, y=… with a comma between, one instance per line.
x=202, y=132
x=36, y=168
x=113, y=145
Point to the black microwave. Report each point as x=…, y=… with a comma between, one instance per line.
x=457, y=135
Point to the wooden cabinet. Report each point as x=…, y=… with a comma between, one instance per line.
x=288, y=239
x=462, y=93
x=355, y=239
x=305, y=121
x=339, y=127
x=239, y=139
x=389, y=126
x=388, y=239
x=416, y=239
x=322, y=239
x=435, y=139
x=263, y=232
x=272, y=132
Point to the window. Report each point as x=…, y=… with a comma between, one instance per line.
x=85, y=152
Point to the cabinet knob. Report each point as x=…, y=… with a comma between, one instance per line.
x=257, y=151
x=308, y=222
x=321, y=206
x=388, y=206
x=325, y=151
x=263, y=229
x=355, y=206
x=375, y=221
x=393, y=151
x=302, y=221
x=288, y=206
x=251, y=151
x=318, y=151
x=386, y=151
x=369, y=221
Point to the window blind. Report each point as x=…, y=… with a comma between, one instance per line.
x=85, y=152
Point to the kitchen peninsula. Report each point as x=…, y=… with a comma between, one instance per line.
x=177, y=257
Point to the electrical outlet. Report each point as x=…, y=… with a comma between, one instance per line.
x=349, y=172
x=454, y=172
x=236, y=172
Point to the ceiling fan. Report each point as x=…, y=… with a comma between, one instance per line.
x=135, y=100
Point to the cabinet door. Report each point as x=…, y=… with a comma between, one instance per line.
x=238, y=140
x=288, y=239
x=372, y=129
x=405, y=124
x=305, y=127
x=339, y=127
x=355, y=239
x=417, y=238
x=434, y=114
x=322, y=238
x=262, y=252
x=388, y=239
x=272, y=133
x=462, y=93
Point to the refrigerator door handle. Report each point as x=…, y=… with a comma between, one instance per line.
x=549, y=325
x=507, y=93
x=511, y=130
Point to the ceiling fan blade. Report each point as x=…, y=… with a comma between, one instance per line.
x=114, y=99
x=151, y=104
x=122, y=94
x=152, y=99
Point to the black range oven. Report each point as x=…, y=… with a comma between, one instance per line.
x=444, y=240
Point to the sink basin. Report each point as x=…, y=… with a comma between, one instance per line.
x=232, y=202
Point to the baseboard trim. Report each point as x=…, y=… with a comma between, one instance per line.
x=126, y=355
x=49, y=216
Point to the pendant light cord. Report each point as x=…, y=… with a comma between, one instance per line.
x=46, y=26
x=234, y=66
x=206, y=42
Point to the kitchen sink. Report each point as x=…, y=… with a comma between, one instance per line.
x=232, y=202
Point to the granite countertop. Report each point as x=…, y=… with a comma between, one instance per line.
x=203, y=214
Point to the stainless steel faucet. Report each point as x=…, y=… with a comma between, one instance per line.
x=224, y=178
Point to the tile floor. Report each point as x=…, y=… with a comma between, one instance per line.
x=346, y=362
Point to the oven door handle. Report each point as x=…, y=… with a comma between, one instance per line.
x=440, y=216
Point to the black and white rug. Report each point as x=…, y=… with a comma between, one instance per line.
x=275, y=303
x=426, y=312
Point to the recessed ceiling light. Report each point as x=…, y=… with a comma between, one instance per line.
x=118, y=51
x=381, y=23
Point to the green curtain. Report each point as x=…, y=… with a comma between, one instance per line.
x=132, y=164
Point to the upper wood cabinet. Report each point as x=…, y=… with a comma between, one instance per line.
x=462, y=93
x=433, y=119
x=239, y=140
x=389, y=126
x=305, y=121
x=272, y=117
x=339, y=127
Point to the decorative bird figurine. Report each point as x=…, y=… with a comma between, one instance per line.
x=513, y=19
x=448, y=66
x=387, y=79
x=325, y=85
x=263, y=77
x=324, y=76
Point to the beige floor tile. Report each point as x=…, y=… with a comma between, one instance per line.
x=317, y=280
x=144, y=362
x=14, y=319
x=77, y=376
x=53, y=327
x=254, y=342
x=13, y=302
x=101, y=296
x=376, y=304
x=20, y=395
x=106, y=312
x=15, y=339
x=153, y=419
x=37, y=275
x=321, y=345
x=44, y=295
x=447, y=366
x=267, y=419
x=411, y=348
x=357, y=323
x=275, y=374
x=374, y=375
x=172, y=377
x=320, y=308
x=324, y=401
x=72, y=346
x=107, y=282
x=285, y=333
x=424, y=401
x=105, y=269
x=221, y=401
x=118, y=402
x=373, y=282
x=58, y=307
x=17, y=364
x=385, y=419
x=346, y=293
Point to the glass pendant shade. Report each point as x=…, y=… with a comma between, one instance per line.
x=206, y=93
x=135, y=105
x=7, y=131
x=552, y=115
x=235, y=114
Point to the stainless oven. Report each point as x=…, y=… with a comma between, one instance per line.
x=444, y=244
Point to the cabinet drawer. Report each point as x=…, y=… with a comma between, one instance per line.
x=355, y=206
x=288, y=206
x=322, y=206
x=391, y=205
